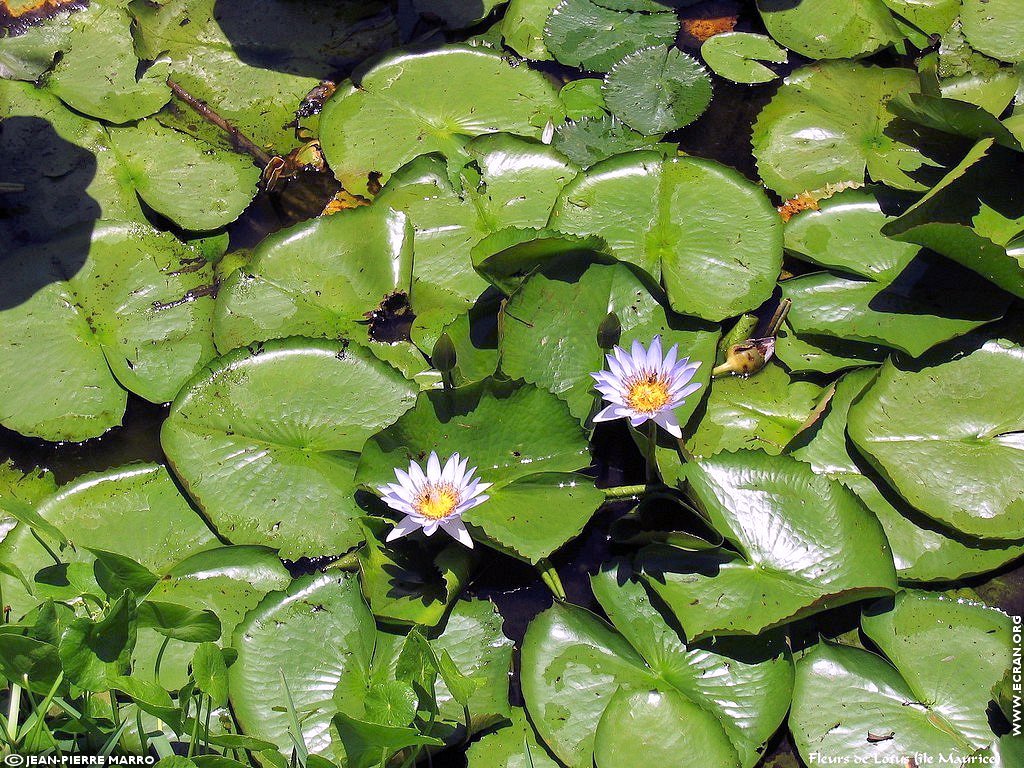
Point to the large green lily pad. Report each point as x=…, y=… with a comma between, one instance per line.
x=282, y=643
x=522, y=28
x=972, y=216
x=573, y=665
x=844, y=233
x=514, y=745
x=95, y=69
x=430, y=102
x=994, y=27
x=830, y=29
x=931, y=696
x=230, y=581
x=255, y=69
x=318, y=278
x=763, y=411
x=680, y=218
x=94, y=511
x=266, y=441
x=922, y=550
x=965, y=469
x=170, y=170
x=97, y=309
x=512, y=182
x=803, y=542
x=523, y=440
x=930, y=301
x=551, y=332
x=828, y=124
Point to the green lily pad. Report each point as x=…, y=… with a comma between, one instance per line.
x=931, y=695
x=933, y=17
x=169, y=170
x=671, y=725
x=473, y=638
x=737, y=56
x=804, y=354
x=657, y=90
x=522, y=28
x=804, y=544
x=763, y=411
x=255, y=69
x=20, y=490
x=282, y=642
x=400, y=580
x=318, y=278
x=230, y=581
x=922, y=551
x=844, y=234
x=430, y=102
x=589, y=140
x=675, y=218
x=994, y=27
x=514, y=745
x=524, y=441
x=585, y=34
x=512, y=182
x=551, y=333
x=828, y=123
x=573, y=664
x=266, y=431
x=971, y=216
x=94, y=653
x=118, y=300
x=931, y=301
x=963, y=470
x=66, y=163
x=96, y=69
x=830, y=29
x=94, y=512
x=583, y=98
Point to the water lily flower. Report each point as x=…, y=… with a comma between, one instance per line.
x=435, y=498
x=641, y=385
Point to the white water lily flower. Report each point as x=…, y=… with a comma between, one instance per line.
x=435, y=498
x=641, y=385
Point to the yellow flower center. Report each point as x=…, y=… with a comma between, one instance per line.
x=647, y=393
x=436, y=502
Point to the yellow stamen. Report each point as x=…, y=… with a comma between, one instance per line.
x=647, y=393
x=437, y=502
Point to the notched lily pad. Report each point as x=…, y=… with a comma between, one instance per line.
x=266, y=441
x=430, y=102
x=802, y=543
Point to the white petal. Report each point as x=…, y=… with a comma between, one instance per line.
x=430, y=528
x=455, y=528
x=637, y=419
x=670, y=359
x=433, y=468
x=614, y=368
x=667, y=420
x=654, y=354
x=403, y=528
x=416, y=475
x=610, y=413
x=448, y=473
x=638, y=354
x=685, y=392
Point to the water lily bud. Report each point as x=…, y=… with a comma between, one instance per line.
x=443, y=356
x=609, y=331
x=747, y=358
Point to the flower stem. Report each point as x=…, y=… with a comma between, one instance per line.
x=652, y=452
x=549, y=576
x=617, y=492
